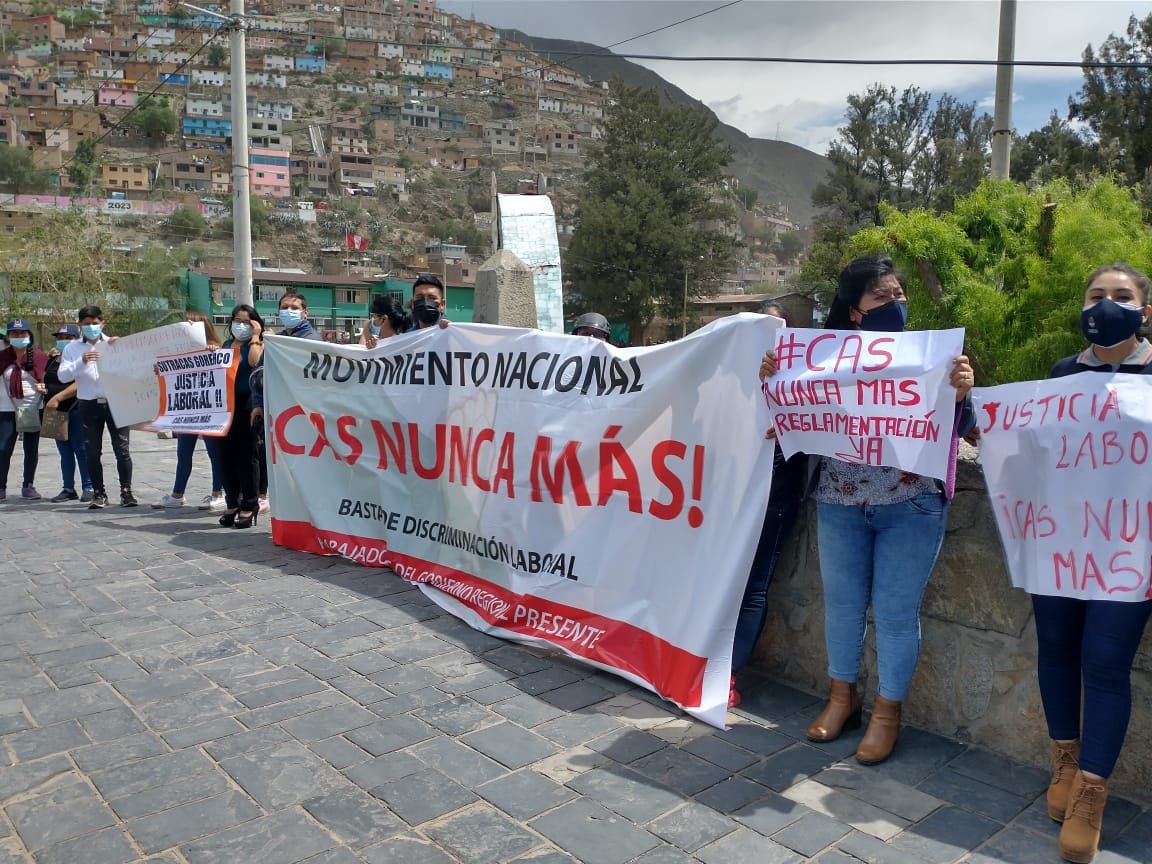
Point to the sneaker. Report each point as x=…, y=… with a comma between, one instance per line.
x=86, y=496
x=164, y=503
x=65, y=495
x=127, y=499
x=213, y=502
x=29, y=493
x=99, y=501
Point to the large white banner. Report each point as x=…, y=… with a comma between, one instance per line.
x=542, y=487
x=1067, y=463
x=127, y=368
x=868, y=398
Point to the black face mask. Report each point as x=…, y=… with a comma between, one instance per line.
x=425, y=310
x=1107, y=323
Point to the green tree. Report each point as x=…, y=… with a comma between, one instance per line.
x=652, y=211
x=153, y=118
x=1009, y=265
x=42, y=278
x=82, y=168
x=788, y=247
x=217, y=54
x=18, y=171
x=185, y=224
x=1116, y=102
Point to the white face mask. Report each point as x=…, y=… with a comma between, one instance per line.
x=242, y=330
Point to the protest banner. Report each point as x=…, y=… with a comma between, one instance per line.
x=542, y=487
x=197, y=391
x=126, y=368
x=1066, y=461
x=867, y=398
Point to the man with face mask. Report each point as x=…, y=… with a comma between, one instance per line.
x=293, y=318
x=78, y=363
x=427, y=303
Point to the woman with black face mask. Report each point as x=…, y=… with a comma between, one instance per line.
x=1091, y=644
x=879, y=533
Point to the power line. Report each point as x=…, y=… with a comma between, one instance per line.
x=843, y=61
x=141, y=101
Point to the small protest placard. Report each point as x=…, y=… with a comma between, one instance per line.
x=866, y=398
x=125, y=367
x=196, y=391
x=1066, y=461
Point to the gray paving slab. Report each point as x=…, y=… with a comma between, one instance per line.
x=175, y=693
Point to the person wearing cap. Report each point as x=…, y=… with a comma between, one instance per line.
x=592, y=324
x=79, y=363
x=62, y=397
x=22, y=367
x=880, y=530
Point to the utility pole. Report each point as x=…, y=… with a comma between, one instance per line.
x=1002, y=117
x=241, y=198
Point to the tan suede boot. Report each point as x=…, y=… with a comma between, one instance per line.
x=842, y=712
x=883, y=730
x=1065, y=767
x=1080, y=836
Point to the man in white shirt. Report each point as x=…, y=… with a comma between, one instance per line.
x=78, y=363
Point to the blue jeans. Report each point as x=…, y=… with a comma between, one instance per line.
x=1090, y=643
x=879, y=555
x=185, y=448
x=73, y=456
x=784, y=498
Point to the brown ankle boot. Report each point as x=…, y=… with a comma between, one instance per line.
x=883, y=730
x=842, y=712
x=1065, y=766
x=1080, y=836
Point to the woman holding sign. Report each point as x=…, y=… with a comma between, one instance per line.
x=1092, y=643
x=239, y=461
x=880, y=531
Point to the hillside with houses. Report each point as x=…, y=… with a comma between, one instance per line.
x=377, y=135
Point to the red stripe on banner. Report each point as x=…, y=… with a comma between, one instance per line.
x=671, y=671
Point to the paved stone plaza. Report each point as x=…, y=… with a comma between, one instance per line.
x=173, y=691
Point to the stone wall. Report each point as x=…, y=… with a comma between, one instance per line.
x=977, y=675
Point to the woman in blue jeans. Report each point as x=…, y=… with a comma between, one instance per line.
x=186, y=446
x=1091, y=644
x=880, y=531
x=62, y=397
x=784, y=497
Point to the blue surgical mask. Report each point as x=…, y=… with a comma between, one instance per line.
x=20, y=343
x=374, y=328
x=92, y=331
x=241, y=331
x=61, y=344
x=889, y=318
x=291, y=317
x=1107, y=323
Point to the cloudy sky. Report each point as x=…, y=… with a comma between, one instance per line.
x=802, y=103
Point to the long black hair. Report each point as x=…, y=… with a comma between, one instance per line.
x=392, y=309
x=860, y=274
x=253, y=315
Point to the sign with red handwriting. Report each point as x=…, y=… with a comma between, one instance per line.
x=867, y=398
x=1067, y=463
x=546, y=488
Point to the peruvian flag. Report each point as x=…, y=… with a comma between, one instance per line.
x=356, y=241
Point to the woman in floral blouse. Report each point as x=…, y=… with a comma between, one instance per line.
x=880, y=531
